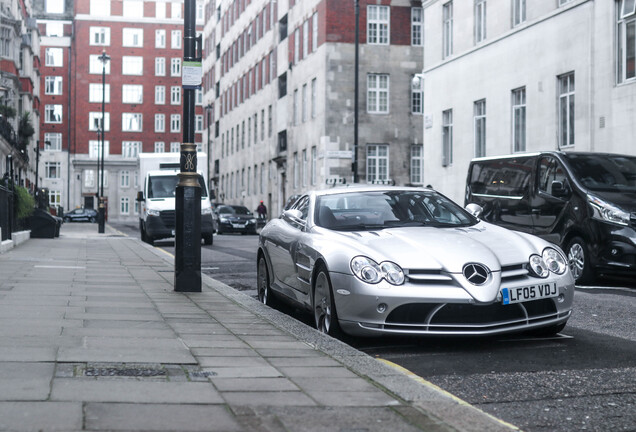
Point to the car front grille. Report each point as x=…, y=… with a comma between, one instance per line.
x=168, y=217
x=509, y=273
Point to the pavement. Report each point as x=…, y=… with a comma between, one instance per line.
x=93, y=337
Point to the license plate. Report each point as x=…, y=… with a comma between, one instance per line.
x=529, y=292
x=238, y=226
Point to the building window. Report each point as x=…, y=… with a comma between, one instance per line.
x=132, y=65
x=378, y=93
x=447, y=137
x=175, y=67
x=519, y=120
x=130, y=149
x=198, y=97
x=416, y=163
x=566, y=110
x=160, y=147
x=175, y=39
x=198, y=124
x=296, y=169
x=313, y=98
x=295, y=108
x=269, y=121
x=124, y=178
x=447, y=28
x=53, y=113
x=131, y=122
x=377, y=162
x=304, y=170
x=124, y=205
x=416, y=96
x=262, y=124
x=304, y=103
x=305, y=38
x=54, y=141
x=95, y=65
x=52, y=170
x=99, y=36
x=99, y=8
x=480, y=20
x=479, y=119
x=160, y=122
x=53, y=85
x=95, y=148
x=89, y=178
x=378, y=18
x=518, y=12
x=160, y=10
x=133, y=9
x=175, y=10
x=314, y=165
x=160, y=95
x=55, y=198
x=175, y=123
x=132, y=93
x=53, y=57
x=95, y=121
x=160, y=66
x=160, y=38
x=96, y=91
x=175, y=147
x=416, y=26
x=54, y=29
x=626, y=41
x=133, y=37
x=54, y=6
x=175, y=95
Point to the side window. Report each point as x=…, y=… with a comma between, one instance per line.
x=503, y=177
x=550, y=170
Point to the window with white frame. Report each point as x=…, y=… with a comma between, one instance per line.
x=296, y=46
x=480, y=20
x=416, y=26
x=198, y=123
x=378, y=25
x=96, y=91
x=447, y=29
x=133, y=9
x=175, y=39
x=132, y=65
x=130, y=149
x=53, y=85
x=124, y=207
x=55, y=198
x=131, y=122
x=160, y=38
x=133, y=37
x=200, y=12
x=95, y=148
x=305, y=38
x=99, y=8
x=99, y=36
x=175, y=10
x=519, y=120
x=295, y=108
x=160, y=10
x=313, y=98
x=566, y=110
x=304, y=103
x=175, y=123
x=95, y=121
x=160, y=122
x=132, y=93
x=416, y=96
x=262, y=124
x=518, y=12
x=377, y=162
x=175, y=95
x=124, y=178
x=626, y=41
x=479, y=120
x=96, y=66
x=54, y=57
x=53, y=113
x=198, y=97
x=296, y=170
x=55, y=29
x=314, y=165
x=303, y=170
x=52, y=170
x=377, y=93
x=447, y=137
x=175, y=147
x=160, y=66
x=175, y=67
x=416, y=163
x=160, y=146
x=314, y=31
x=54, y=6
x=89, y=178
x=54, y=140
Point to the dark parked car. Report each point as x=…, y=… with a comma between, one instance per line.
x=81, y=215
x=235, y=219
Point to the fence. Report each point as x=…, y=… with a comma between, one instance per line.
x=6, y=212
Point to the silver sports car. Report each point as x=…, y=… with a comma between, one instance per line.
x=371, y=261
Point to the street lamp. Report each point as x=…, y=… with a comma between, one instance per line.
x=102, y=211
x=354, y=165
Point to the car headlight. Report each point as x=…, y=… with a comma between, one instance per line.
x=206, y=210
x=555, y=262
x=253, y=221
x=538, y=266
x=154, y=212
x=223, y=220
x=607, y=212
x=369, y=271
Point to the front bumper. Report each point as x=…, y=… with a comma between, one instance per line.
x=436, y=309
x=614, y=249
x=163, y=226
x=228, y=227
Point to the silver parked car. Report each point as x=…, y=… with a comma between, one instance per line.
x=399, y=260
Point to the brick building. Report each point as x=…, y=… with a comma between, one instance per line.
x=142, y=95
x=279, y=88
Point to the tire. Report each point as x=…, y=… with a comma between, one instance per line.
x=67, y=219
x=579, y=261
x=324, y=306
x=208, y=239
x=265, y=294
x=92, y=220
x=142, y=232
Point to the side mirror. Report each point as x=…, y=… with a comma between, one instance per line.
x=475, y=210
x=558, y=189
x=293, y=215
x=140, y=196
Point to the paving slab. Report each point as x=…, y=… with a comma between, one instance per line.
x=41, y=416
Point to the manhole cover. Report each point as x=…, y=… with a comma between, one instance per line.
x=202, y=374
x=123, y=372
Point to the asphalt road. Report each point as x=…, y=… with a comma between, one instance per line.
x=582, y=380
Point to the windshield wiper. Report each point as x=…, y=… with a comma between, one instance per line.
x=359, y=227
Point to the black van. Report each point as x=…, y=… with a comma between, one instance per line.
x=584, y=202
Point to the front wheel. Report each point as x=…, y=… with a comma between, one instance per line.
x=325, y=314
x=265, y=295
x=92, y=220
x=208, y=239
x=579, y=261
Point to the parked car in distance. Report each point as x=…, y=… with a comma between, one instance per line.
x=235, y=219
x=81, y=215
x=398, y=260
x=584, y=202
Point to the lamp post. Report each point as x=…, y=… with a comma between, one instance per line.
x=354, y=165
x=101, y=217
x=38, y=198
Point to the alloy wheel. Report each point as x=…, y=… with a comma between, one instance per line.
x=322, y=303
x=576, y=260
x=263, y=283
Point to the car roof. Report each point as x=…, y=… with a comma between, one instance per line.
x=366, y=188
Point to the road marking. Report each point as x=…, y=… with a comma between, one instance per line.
x=432, y=386
x=59, y=267
x=210, y=268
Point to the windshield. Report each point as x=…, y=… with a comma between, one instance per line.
x=604, y=172
x=358, y=211
x=241, y=210
x=165, y=186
